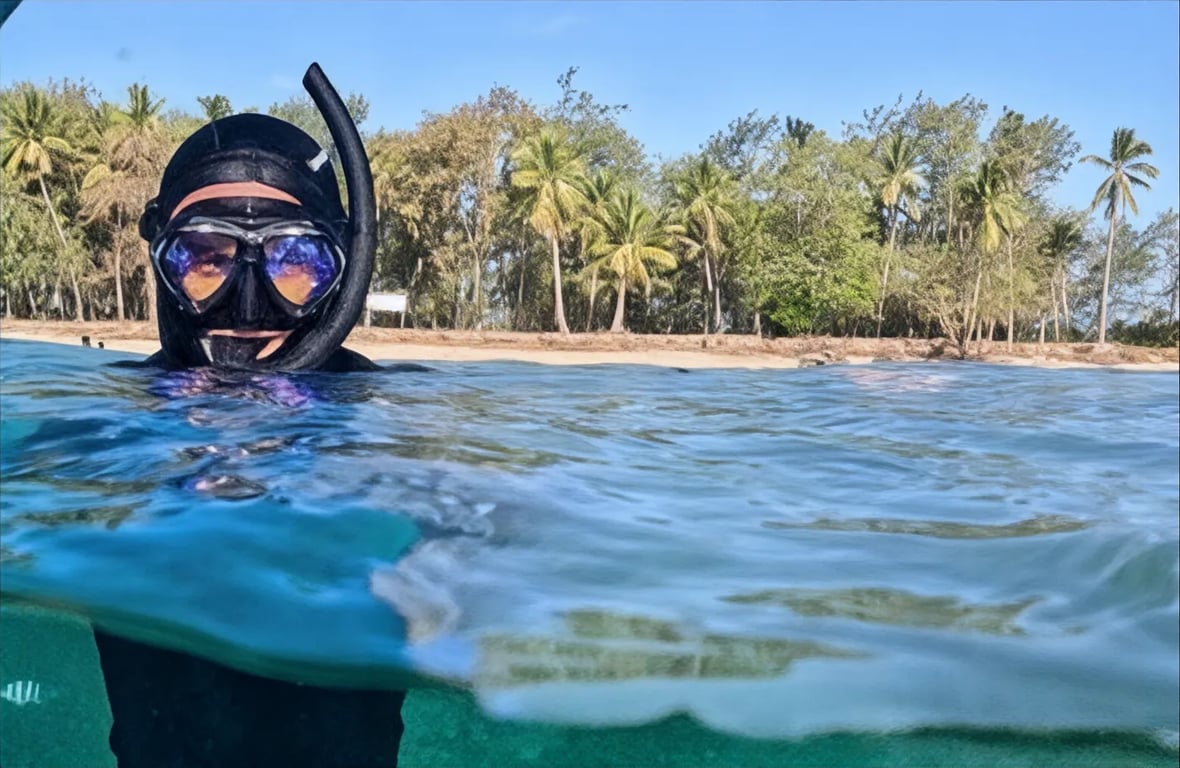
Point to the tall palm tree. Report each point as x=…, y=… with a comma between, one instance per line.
x=548, y=166
x=1126, y=171
x=132, y=156
x=632, y=236
x=898, y=183
x=32, y=134
x=705, y=197
x=1064, y=237
x=997, y=212
x=598, y=191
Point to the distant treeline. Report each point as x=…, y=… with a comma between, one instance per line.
x=510, y=215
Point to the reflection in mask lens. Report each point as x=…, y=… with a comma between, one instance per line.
x=301, y=267
x=199, y=262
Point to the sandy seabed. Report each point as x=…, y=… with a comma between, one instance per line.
x=680, y=351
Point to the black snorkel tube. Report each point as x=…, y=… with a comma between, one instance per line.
x=345, y=308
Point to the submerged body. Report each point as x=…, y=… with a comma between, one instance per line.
x=259, y=271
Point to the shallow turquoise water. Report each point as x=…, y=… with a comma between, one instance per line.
x=773, y=552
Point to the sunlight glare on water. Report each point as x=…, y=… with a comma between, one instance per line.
x=775, y=552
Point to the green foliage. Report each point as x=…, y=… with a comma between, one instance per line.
x=750, y=148
x=595, y=130
x=993, y=204
x=631, y=238
x=1156, y=331
x=215, y=107
x=492, y=212
x=822, y=278
x=1035, y=155
x=1126, y=171
x=33, y=133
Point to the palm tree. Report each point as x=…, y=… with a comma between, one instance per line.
x=126, y=176
x=797, y=130
x=898, y=183
x=705, y=197
x=997, y=211
x=1064, y=237
x=31, y=135
x=549, y=167
x=1125, y=173
x=598, y=191
x=215, y=107
x=631, y=237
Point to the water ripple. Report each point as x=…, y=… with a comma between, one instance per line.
x=774, y=552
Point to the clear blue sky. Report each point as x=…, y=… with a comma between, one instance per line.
x=685, y=68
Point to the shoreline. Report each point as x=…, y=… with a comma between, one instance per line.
x=689, y=351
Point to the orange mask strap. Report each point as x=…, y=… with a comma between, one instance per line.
x=233, y=189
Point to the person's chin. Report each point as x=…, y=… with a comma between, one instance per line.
x=230, y=348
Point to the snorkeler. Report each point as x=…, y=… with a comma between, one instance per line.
x=257, y=265
x=259, y=269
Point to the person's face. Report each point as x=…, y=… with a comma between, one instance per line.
x=246, y=269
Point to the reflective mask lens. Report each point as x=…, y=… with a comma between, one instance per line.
x=302, y=266
x=198, y=263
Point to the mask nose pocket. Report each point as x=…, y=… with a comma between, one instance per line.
x=250, y=303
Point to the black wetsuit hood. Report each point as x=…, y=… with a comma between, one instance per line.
x=264, y=149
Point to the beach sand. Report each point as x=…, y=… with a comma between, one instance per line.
x=688, y=351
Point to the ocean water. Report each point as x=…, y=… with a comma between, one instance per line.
x=775, y=554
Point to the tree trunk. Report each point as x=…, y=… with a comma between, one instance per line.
x=593, y=293
x=717, y=304
x=520, y=295
x=558, y=304
x=1011, y=295
x=411, y=295
x=119, y=270
x=1065, y=305
x=478, y=274
x=149, y=293
x=616, y=325
x=885, y=275
x=59, y=299
x=79, y=313
x=65, y=247
x=709, y=290
x=757, y=323
x=1053, y=301
x=52, y=213
x=1106, y=279
x=32, y=303
x=972, y=313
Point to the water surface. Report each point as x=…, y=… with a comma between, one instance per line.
x=775, y=553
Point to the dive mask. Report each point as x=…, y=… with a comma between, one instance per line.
x=201, y=258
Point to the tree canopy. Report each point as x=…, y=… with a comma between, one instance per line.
x=922, y=218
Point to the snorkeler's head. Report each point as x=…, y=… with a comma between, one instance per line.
x=257, y=264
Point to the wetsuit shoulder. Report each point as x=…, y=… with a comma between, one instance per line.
x=158, y=360
x=345, y=361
